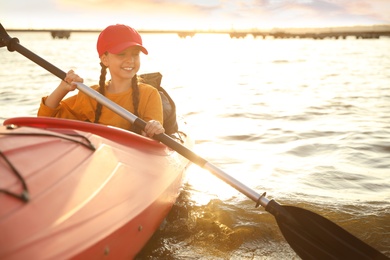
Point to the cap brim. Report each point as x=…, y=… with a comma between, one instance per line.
x=117, y=49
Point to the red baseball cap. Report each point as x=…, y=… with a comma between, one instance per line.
x=116, y=38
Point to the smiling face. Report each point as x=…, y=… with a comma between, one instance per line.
x=123, y=65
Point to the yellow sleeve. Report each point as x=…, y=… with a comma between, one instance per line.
x=77, y=107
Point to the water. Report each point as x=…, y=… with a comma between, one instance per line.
x=307, y=121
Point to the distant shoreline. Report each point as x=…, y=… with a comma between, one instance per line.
x=363, y=32
x=373, y=28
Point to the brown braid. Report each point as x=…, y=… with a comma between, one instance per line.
x=134, y=85
x=102, y=85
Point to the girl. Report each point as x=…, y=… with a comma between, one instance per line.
x=119, y=48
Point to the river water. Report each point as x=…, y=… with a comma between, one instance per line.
x=307, y=121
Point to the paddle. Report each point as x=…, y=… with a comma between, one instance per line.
x=309, y=234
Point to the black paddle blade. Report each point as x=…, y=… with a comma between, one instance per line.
x=315, y=237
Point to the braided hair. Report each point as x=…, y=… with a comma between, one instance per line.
x=135, y=95
x=134, y=85
x=102, y=85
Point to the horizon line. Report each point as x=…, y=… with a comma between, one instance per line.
x=205, y=30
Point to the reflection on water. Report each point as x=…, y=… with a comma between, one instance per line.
x=305, y=121
x=217, y=229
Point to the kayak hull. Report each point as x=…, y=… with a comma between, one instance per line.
x=94, y=191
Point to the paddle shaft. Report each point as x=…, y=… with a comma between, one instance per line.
x=13, y=45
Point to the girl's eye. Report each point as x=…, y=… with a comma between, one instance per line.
x=134, y=53
x=121, y=53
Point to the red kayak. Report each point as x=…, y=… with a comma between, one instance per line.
x=76, y=190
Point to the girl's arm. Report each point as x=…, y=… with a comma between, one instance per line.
x=63, y=88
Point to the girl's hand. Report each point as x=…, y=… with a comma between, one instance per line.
x=65, y=86
x=68, y=82
x=152, y=128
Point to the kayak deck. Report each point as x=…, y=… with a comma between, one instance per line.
x=89, y=196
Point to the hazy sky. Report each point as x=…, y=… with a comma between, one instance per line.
x=192, y=14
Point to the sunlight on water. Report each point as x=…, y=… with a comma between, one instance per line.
x=207, y=185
